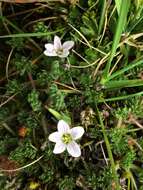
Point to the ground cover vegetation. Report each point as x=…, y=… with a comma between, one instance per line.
x=94, y=83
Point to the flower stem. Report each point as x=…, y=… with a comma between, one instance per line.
x=109, y=151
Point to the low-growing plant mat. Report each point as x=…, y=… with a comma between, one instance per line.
x=93, y=83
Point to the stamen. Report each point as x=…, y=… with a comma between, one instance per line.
x=66, y=138
x=59, y=51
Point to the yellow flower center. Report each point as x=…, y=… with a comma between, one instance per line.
x=66, y=138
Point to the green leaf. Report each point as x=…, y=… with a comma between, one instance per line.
x=59, y=116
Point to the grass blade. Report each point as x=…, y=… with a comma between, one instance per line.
x=118, y=5
x=122, y=97
x=120, y=26
x=127, y=68
x=101, y=23
x=124, y=83
x=26, y=35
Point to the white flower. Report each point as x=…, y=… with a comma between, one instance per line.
x=58, y=49
x=65, y=139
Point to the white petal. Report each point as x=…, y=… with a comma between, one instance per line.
x=57, y=43
x=55, y=137
x=74, y=149
x=59, y=148
x=63, y=127
x=64, y=54
x=50, y=53
x=49, y=47
x=68, y=45
x=77, y=132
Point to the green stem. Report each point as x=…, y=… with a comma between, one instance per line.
x=109, y=151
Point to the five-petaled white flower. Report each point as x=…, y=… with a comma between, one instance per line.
x=65, y=139
x=58, y=49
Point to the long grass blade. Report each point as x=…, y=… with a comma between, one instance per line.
x=26, y=35
x=123, y=83
x=118, y=5
x=121, y=97
x=120, y=26
x=127, y=68
x=101, y=23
